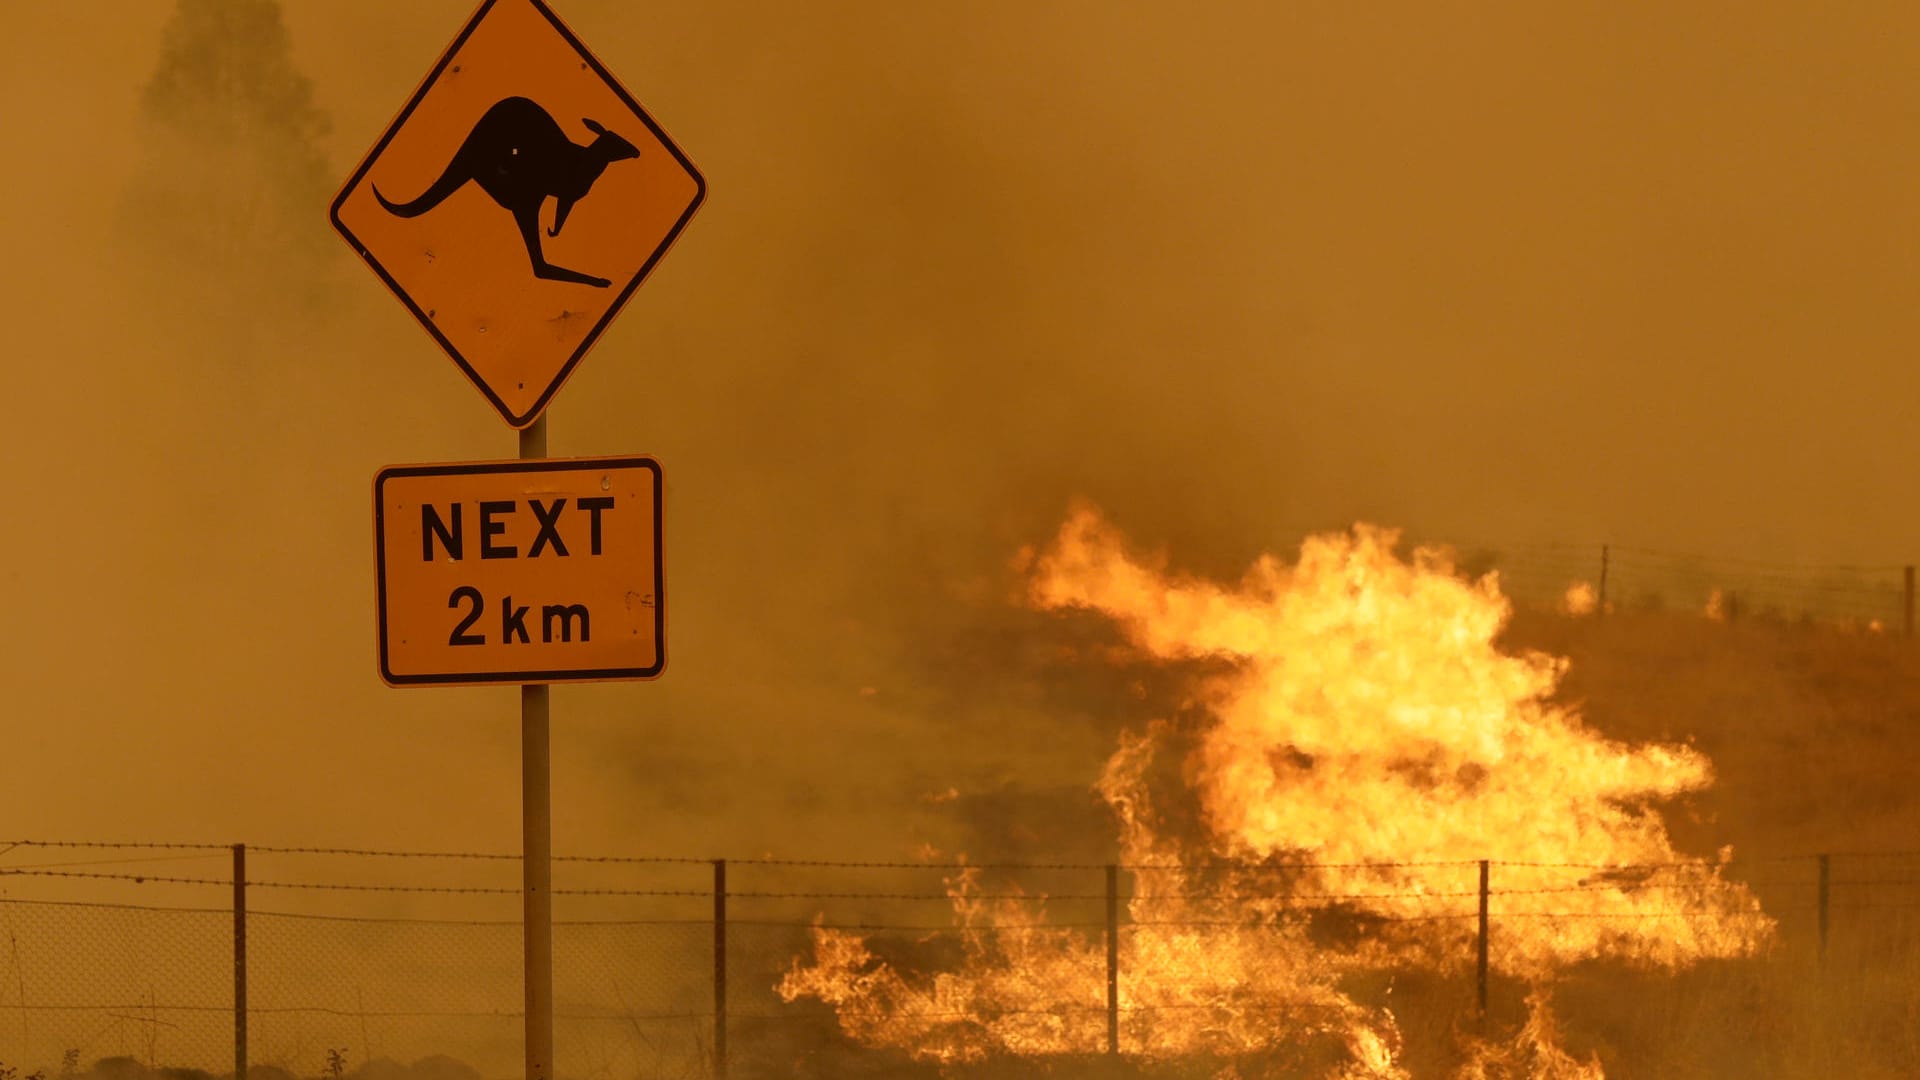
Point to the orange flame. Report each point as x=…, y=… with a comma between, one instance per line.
x=1534, y=1053
x=1581, y=599
x=1367, y=745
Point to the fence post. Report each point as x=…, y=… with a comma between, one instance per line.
x=1113, y=959
x=240, y=962
x=1907, y=609
x=1480, y=982
x=1600, y=607
x=719, y=969
x=1826, y=878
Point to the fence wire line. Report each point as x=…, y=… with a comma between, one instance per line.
x=962, y=928
x=1729, y=560
x=435, y=984
x=1202, y=865
x=370, y=1014
x=942, y=897
x=1587, y=552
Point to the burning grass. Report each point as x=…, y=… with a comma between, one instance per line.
x=1360, y=742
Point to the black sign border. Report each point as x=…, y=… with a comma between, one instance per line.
x=529, y=465
x=620, y=302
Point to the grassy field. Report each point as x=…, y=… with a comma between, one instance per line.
x=1813, y=731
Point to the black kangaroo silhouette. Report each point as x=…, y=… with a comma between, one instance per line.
x=520, y=157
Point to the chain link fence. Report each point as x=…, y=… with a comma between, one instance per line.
x=1005, y=967
x=148, y=983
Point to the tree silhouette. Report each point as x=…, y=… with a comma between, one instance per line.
x=228, y=202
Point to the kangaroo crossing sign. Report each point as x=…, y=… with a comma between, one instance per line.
x=450, y=207
x=532, y=571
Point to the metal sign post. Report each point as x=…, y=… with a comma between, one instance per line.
x=536, y=842
x=514, y=205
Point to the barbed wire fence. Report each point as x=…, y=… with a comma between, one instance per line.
x=1627, y=578
x=669, y=967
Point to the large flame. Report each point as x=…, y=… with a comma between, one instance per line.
x=1366, y=745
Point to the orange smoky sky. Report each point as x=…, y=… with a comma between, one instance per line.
x=1232, y=271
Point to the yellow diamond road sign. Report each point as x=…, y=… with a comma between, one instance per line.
x=516, y=203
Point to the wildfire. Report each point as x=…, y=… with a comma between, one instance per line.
x=1366, y=745
x=1581, y=599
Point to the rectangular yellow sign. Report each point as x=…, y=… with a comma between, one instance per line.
x=535, y=571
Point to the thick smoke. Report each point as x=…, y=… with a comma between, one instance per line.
x=1233, y=276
